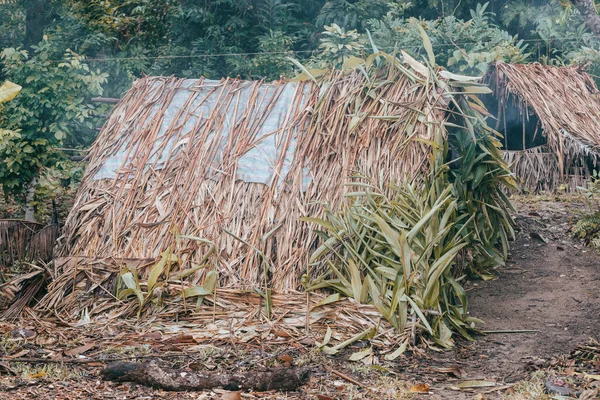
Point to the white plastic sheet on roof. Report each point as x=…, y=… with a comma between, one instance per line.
x=256, y=165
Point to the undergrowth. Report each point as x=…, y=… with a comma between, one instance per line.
x=587, y=226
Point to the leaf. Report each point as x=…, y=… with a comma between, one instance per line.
x=352, y=62
x=80, y=349
x=475, y=384
x=420, y=388
x=305, y=71
x=414, y=64
x=196, y=291
x=327, y=300
x=373, y=46
x=133, y=286
x=427, y=45
x=158, y=268
x=9, y=91
x=368, y=333
x=319, y=221
x=459, y=78
x=477, y=89
x=398, y=352
x=359, y=355
x=326, y=339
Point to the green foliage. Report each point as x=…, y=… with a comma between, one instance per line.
x=353, y=14
x=51, y=111
x=123, y=39
x=587, y=226
x=396, y=252
x=58, y=182
x=461, y=46
x=477, y=184
x=337, y=46
x=396, y=247
x=163, y=277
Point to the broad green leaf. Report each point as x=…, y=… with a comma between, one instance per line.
x=359, y=355
x=398, y=352
x=327, y=300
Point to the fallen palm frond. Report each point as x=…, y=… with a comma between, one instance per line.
x=230, y=312
x=566, y=103
x=19, y=292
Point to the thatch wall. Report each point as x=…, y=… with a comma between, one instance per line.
x=23, y=241
x=183, y=173
x=567, y=104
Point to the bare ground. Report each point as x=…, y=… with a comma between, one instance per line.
x=551, y=286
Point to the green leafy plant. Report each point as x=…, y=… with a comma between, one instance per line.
x=338, y=45
x=394, y=248
x=587, y=226
x=478, y=181
x=129, y=282
x=162, y=278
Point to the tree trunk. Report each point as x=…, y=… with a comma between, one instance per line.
x=35, y=22
x=589, y=14
x=29, y=211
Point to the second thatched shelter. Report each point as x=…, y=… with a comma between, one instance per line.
x=550, y=120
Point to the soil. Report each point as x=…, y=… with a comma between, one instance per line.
x=549, y=287
x=552, y=288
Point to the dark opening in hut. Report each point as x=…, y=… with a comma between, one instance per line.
x=549, y=118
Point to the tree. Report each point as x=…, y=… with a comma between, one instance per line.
x=51, y=110
x=590, y=16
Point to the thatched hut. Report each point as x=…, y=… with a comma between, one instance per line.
x=218, y=173
x=550, y=120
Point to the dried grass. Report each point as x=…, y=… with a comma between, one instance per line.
x=233, y=309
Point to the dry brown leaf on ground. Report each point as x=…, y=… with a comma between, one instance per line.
x=420, y=388
x=80, y=350
x=231, y=396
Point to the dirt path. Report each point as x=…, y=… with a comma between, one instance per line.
x=553, y=288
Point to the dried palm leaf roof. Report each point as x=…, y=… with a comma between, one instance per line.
x=565, y=99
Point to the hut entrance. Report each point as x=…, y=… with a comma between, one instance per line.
x=520, y=127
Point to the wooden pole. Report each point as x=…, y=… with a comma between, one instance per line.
x=109, y=100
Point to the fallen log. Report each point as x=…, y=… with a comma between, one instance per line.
x=151, y=374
